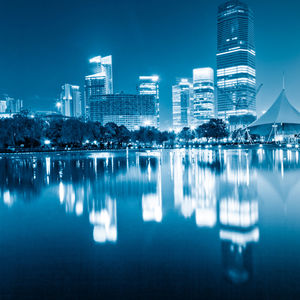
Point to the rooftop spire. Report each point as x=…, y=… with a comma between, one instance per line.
x=283, y=81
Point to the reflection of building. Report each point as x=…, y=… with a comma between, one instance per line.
x=70, y=99
x=103, y=216
x=99, y=83
x=149, y=85
x=238, y=220
x=203, y=95
x=152, y=201
x=194, y=187
x=133, y=111
x=181, y=100
x=236, y=74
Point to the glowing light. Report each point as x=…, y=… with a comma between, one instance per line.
x=239, y=237
x=47, y=142
x=79, y=208
x=96, y=59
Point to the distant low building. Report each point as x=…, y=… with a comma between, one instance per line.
x=131, y=110
x=10, y=105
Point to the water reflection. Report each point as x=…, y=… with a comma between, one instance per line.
x=238, y=217
x=215, y=189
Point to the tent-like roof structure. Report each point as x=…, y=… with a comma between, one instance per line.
x=282, y=113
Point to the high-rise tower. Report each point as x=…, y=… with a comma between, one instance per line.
x=203, y=95
x=236, y=73
x=99, y=83
x=181, y=102
x=70, y=99
x=149, y=85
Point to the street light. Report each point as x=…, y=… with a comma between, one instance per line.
x=58, y=105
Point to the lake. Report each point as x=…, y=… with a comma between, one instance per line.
x=168, y=224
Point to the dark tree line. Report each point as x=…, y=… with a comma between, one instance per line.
x=25, y=132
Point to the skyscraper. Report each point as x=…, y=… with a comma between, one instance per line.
x=203, y=95
x=236, y=73
x=181, y=102
x=99, y=83
x=70, y=99
x=149, y=85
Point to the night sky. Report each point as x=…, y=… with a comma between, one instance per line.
x=47, y=43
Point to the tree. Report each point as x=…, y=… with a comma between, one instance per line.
x=186, y=134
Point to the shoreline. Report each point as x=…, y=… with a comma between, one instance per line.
x=201, y=147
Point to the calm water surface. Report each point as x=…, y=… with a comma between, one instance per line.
x=182, y=224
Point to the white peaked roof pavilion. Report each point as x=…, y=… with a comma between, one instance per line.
x=282, y=117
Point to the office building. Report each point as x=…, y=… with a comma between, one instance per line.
x=10, y=105
x=203, y=95
x=99, y=83
x=181, y=103
x=133, y=111
x=2, y=106
x=70, y=100
x=236, y=72
x=149, y=85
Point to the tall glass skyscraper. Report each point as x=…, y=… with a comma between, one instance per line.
x=99, y=83
x=149, y=85
x=70, y=99
x=203, y=95
x=181, y=102
x=236, y=73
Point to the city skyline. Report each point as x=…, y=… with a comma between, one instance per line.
x=24, y=62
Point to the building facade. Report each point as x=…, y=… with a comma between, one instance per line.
x=203, y=96
x=149, y=85
x=99, y=83
x=181, y=104
x=132, y=111
x=10, y=105
x=70, y=99
x=236, y=71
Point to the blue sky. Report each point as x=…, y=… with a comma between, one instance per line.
x=45, y=44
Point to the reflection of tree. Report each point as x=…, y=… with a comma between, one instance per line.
x=90, y=183
x=21, y=178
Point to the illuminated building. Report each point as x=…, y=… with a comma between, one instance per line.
x=181, y=102
x=70, y=100
x=2, y=106
x=10, y=105
x=99, y=83
x=132, y=111
x=149, y=85
x=236, y=72
x=203, y=95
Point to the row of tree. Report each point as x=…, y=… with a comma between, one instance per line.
x=23, y=131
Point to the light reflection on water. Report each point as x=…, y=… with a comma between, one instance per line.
x=215, y=189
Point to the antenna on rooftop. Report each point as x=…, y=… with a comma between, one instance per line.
x=283, y=80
